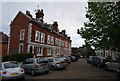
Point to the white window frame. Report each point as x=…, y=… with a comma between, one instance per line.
x=58, y=51
x=56, y=41
x=21, y=50
x=49, y=51
x=29, y=48
x=49, y=39
x=22, y=34
x=43, y=37
x=38, y=51
x=52, y=40
x=69, y=45
x=66, y=44
x=62, y=43
x=37, y=40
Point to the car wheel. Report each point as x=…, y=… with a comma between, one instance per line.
x=22, y=78
x=106, y=67
x=98, y=65
x=46, y=72
x=52, y=68
x=32, y=72
x=64, y=68
x=118, y=76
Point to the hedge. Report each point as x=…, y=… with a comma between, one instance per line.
x=20, y=57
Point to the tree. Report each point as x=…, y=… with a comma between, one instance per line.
x=103, y=28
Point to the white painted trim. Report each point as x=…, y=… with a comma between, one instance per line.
x=58, y=49
x=25, y=15
x=28, y=49
x=38, y=36
x=18, y=14
x=8, y=50
x=42, y=45
x=23, y=34
x=43, y=41
x=48, y=39
x=45, y=45
x=41, y=52
x=29, y=32
x=22, y=48
x=49, y=51
x=52, y=40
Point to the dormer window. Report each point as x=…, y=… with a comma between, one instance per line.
x=22, y=33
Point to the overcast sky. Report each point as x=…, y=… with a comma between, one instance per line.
x=69, y=15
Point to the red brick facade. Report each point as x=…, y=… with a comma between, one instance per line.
x=29, y=34
x=3, y=43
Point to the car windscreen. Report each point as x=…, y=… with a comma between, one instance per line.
x=10, y=65
x=73, y=56
x=50, y=60
x=42, y=60
x=58, y=59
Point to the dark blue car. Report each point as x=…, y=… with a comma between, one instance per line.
x=118, y=74
x=99, y=61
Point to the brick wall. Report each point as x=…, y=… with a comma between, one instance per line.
x=20, y=22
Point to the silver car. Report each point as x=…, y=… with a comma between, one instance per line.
x=113, y=65
x=12, y=70
x=57, y=63
x=36, y=65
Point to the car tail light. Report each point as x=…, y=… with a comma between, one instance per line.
x=58, y=63
x=36, y=66
x=4, y=72
x=43, y=64
x=63, y=61
x=22, y=70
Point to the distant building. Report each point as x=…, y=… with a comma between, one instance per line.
x=76, y=50
x=3, y=43
x=107, y=53
x=33, y=35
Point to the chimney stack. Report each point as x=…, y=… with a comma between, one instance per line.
x=39, y=13
x=28, y=13
x=63, y=32
x=55, y=26
x=39, y=16
x=69, y=37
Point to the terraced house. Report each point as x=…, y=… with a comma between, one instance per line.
x=28, y=34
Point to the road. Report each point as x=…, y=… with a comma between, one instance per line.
x=76, y=71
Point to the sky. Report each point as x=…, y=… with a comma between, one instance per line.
x=69, y=15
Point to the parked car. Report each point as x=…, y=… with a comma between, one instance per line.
x=57, y=63
x=99, y=61
x=81, y=56
x=12, y=70
x=72, y=58
x=67, y=59
x=113, y=65
x=36, y=65
x=76, y=56
x=90, y=59
x=118, y=74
